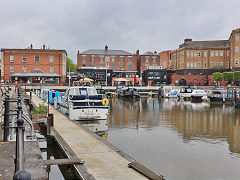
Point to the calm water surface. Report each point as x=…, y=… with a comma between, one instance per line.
x=181, y=140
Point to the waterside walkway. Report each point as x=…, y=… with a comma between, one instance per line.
x=102, y=162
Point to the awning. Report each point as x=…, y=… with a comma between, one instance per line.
x=86, y=80
x=35, y=75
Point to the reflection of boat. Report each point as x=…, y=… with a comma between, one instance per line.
x=128, y=92
x=99, y=127
x=195, y=106
x=84, y=103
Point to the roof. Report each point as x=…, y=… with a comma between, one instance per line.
x=206, y=44
x=106, y=52
x=36, y=72
x=149, y=53
x=28, y=50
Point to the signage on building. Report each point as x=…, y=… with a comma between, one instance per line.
x=155, y=67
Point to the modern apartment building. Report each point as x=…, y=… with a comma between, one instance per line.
x=194, y=57
x=33, y=65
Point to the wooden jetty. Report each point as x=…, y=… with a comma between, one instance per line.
x=101, y=161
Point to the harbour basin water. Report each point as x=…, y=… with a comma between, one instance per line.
x=181, y=140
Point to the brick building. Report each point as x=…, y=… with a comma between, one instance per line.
x=33, y=65
x=121, y=64
x=194, y=57
x=165, y=59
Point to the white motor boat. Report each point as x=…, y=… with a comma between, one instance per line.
x=84, y=103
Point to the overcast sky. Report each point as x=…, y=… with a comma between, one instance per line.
x=147, y=25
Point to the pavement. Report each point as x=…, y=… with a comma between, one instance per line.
x=32, y=154
x=102, y=162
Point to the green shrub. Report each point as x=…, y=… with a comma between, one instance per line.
x=40, y=110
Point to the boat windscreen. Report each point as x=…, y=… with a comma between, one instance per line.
x=77, y=92
x=92, y=92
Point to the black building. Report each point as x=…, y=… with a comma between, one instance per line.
x=98, y=75
x=153, y=77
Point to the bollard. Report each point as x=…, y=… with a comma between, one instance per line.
x=6, y=119
x=22, y=175
x=19, y=159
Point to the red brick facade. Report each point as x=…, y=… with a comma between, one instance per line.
x=165, y=59
x=25, y=60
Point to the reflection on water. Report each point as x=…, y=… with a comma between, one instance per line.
x=182, y=140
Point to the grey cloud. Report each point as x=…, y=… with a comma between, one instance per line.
x=122, y=24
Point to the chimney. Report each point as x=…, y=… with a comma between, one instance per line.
x=106, y=47
x=137, y=52
x=187, y=40
x=78, y=52
x=44, y=47
x=155, y=52
x=31, y=46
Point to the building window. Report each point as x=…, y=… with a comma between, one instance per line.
x=83, y=59
x=212, y=53
x=227, y=53
x=199, y=65
x=51, y=59
x=101, y=65
x=101, y=58
x=51, y=69
x=24, y=59
x=121, y=60
x=221, y=64
x=236, y=61
x=92, y=61
x=188, y=65
x=154, y=59
x=192, y=54
x=113, y=66
x=212, y=64
x=113, y=58
x=195, y=54
x=37, y=59
x=129, y=58
x=187, y=54
x=216, y=64
x=216, y=53
x=195, y=64
x=199, y=54
x=147, y=59
x=24, y=69
x=129, y=67
x=227, y=64
x=205, y=54
x=236, y=37
x=11, y=69
x=236, y=49
x=191, y=64
x=11, y=58
x=221, y=53
x=205, y=64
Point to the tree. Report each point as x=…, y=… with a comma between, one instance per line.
x=73, y=67
x=217, y=76
x=228, y=76
x=236, y=76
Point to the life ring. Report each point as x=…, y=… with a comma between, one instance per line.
x=105, y=102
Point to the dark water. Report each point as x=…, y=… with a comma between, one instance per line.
x=181, y=140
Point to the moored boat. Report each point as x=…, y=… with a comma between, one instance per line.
x=84, y=103
x=129, y=93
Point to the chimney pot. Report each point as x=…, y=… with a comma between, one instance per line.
x=137, y=52
x=106, y=47
x=31, y=46
x=155, y=52
x=44, y=47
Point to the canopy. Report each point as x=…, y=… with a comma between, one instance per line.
x=121, y=79
x=86, y=79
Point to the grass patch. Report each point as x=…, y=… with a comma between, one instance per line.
x=40, y=110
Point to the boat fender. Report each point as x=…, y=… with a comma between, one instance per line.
x=105, y=102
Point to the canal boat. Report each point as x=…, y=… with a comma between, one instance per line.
x=128, y=93
x=188, y=93
x=84, y=103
